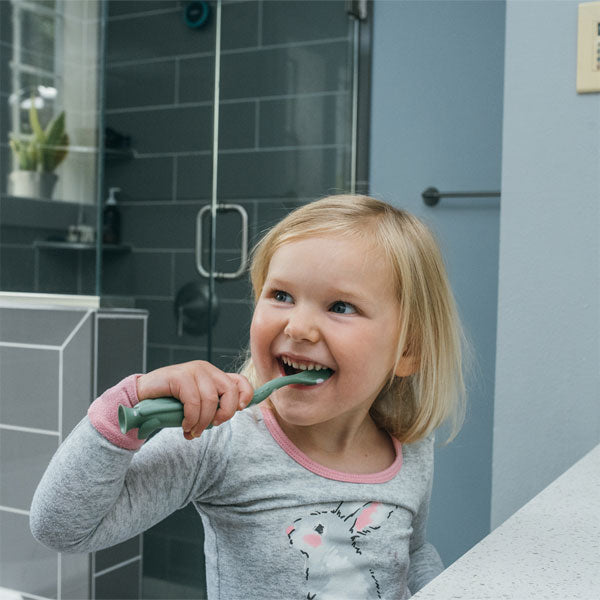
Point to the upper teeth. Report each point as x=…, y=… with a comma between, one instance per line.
x=302, y=366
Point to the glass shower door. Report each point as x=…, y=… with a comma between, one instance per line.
x=283, y=82
x=276, y=131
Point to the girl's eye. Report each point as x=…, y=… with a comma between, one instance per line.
x=342, y=308
x=282, y=296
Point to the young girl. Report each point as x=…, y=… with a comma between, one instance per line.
x=320, y=491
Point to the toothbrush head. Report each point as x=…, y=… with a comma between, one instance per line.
x=313, y=377
x=309, y=377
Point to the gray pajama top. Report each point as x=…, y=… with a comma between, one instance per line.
x=277, y=525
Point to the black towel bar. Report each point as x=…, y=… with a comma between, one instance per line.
x=431, y=196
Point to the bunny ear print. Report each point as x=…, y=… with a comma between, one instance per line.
x=370, y=517
x=348, y=510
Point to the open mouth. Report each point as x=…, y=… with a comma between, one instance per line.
x=290, y=367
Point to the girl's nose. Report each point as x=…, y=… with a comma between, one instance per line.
x=301, y=327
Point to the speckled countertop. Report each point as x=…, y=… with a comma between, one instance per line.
x=550, y=548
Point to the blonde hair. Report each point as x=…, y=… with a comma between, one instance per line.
x=409, y=408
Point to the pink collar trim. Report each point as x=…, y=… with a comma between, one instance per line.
x=302, y=459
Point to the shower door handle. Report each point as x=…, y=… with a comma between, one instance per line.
x=244, y=249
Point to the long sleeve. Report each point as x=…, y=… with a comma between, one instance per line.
x=95, y=494
x=100, y=489
x=425, y=562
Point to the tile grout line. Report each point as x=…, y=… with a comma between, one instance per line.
x=59, y=576
x=95, y=357
x=145, y=347
x=332, y=41
x=239, y=100
x=118, y=566
x=75, y=329
x=245, y=150
x=28, y=346
x=16, y=511
x=259, y=24
x=126, y=316
x=9, y=427
x=60, y=395
x=141, y=550
x=257, y=123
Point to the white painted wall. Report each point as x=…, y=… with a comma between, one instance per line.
x=547, y=396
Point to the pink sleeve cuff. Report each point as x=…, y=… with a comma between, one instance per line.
x=103, y=413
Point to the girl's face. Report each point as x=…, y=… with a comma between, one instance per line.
x=327, y=301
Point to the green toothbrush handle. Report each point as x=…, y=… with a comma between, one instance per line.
x=150, y=415
x=156, y=413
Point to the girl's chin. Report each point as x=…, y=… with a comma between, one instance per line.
x=293, y=413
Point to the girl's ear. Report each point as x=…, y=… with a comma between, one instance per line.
x=407, y=365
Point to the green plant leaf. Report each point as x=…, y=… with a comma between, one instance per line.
x=24, y=153
x=53, y=151
x=46, y=149
x=34, y=121
x=55, y=130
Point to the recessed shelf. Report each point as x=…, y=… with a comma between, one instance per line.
x=114, y=155
x=45, y=245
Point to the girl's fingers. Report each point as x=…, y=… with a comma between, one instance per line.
x=209, y=401
x=228, y=400
x=189, y=395
x=208, y=394
x=246, y=391
x=221, y=397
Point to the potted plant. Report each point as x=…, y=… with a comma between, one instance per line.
x=38, y=156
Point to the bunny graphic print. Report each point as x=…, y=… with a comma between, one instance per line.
x=331, y=545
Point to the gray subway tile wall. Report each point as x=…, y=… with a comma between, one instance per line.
x=25, y=455
x=25, y=565
x=116, y=555
x=155, y=177
x=284, y=134
x=17, y=364
x=78, y=372
x=284, y=139
x=154, y=84
x=50, y=362
x=295, y=21
x=121, y=339
x=125, y=586
x=285, y=70
x=28, y=267
x=74, y=576
x=43, y=326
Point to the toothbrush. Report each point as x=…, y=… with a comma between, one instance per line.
x=156, y=413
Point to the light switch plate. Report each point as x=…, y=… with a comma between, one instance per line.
x=588, y=48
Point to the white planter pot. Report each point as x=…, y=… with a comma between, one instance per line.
x=32, y=184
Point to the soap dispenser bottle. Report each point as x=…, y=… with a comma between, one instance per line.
x=111, y=219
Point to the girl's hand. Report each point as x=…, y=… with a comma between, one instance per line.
x=208, y=394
